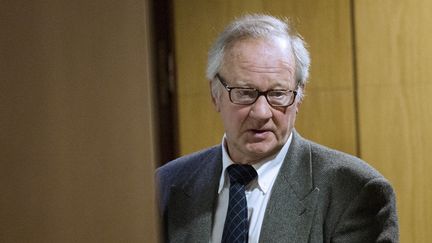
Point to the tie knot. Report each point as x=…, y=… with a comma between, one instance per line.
x=242, y=174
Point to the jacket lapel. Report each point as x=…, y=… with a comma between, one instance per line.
x=290, y=210
x=191, y=210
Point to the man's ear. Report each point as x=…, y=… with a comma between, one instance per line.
x=298, y=105
x=300, y=100
x=216, y=103
x=215, y=99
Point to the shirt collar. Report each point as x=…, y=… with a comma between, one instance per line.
x=267, y=169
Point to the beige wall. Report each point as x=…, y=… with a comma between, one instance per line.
x=76, y=138
x=368, y=95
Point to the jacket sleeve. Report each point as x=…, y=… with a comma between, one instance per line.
x=371, y=216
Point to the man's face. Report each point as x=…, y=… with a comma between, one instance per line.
x=257, y=131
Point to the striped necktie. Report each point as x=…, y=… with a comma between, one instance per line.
x=236, y=228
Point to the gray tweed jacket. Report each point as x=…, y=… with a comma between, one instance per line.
x=320, y=195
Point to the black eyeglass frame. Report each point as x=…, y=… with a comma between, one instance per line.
x=264, y=93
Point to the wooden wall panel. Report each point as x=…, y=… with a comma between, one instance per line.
x=327, y=114
x=394, y=68
x=199, y=125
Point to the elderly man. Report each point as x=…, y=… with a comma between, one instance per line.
x=264, y=182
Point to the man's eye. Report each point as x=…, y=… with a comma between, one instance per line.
x=277, y=94
x=246, y=93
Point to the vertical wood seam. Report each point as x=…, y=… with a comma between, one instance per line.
x=355, y=80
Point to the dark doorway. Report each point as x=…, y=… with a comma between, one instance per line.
x=165, y=78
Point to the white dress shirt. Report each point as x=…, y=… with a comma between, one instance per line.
x=257, y=193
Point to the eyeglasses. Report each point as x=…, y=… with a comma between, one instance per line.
x=248, y=96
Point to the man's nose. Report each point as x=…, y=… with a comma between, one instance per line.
x=261, y=109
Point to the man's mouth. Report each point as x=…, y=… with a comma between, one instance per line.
x=259, y=133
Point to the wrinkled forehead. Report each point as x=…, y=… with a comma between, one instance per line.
x=260, y=56
x=256, y=49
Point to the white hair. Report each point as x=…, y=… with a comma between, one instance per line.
x=258, y=26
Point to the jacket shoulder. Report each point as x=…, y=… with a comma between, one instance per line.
x=183, y=170
x=181, y=167
x=331, y=161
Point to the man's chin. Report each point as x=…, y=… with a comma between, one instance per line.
x=260, y=151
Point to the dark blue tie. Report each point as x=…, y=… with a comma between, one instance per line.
x=236, y=228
